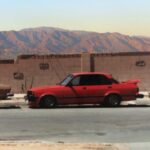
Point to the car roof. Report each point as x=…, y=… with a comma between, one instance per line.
x=92, y=73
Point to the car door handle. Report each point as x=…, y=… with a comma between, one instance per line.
x=109, y=87
x=84, y=88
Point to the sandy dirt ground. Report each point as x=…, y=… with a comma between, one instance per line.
x=47, y=146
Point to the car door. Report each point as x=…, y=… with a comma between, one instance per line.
x=95, y=88
x=74, y=92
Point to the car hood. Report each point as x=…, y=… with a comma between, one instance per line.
x=47, y=87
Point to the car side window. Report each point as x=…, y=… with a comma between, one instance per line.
x=104, y=80
x=76, y=81
x=94, y=80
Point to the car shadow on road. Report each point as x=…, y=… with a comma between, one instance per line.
x=94, y=106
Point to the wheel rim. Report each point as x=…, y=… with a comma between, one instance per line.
x=49, y=102
x=114, y=100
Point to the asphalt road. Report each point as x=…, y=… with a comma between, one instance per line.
x=113, y=125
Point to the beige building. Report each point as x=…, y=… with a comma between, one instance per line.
x=34, y=70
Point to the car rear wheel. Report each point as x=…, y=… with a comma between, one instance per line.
x=113, y=100
x=48, y=102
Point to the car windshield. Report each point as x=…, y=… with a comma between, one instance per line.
x=66, y=80
x=114, y=81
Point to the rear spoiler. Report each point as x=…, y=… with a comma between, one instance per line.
x=133, y=81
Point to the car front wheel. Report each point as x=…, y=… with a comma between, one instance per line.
x=48, y=102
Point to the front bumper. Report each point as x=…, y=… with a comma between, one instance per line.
x=30, y=96
x=32, y=100
x=33, y=104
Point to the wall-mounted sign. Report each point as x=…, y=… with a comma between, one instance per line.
x=140, y=63
x=44, y=66
x=18, y=76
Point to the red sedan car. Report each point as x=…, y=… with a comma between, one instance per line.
x=84, y=88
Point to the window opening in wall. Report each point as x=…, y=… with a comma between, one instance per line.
x=18, y=76
x=44, y=66
x=140, y=63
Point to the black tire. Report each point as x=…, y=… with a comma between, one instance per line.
x=113, y=100
x=48, y=102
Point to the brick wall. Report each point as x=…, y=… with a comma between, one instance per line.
x=34, y=70
x=124, y=67
x=55, y=68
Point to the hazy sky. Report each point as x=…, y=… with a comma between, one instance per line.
x=124, y=16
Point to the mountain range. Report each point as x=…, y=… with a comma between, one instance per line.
x=47, y=40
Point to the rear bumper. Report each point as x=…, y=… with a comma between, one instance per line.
x=140, y=96
x=132, y=97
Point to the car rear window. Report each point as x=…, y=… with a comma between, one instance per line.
x=94, y=80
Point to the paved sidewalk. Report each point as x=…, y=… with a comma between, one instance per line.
x=42, y=145
x=58, y=146
x=17, y=101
